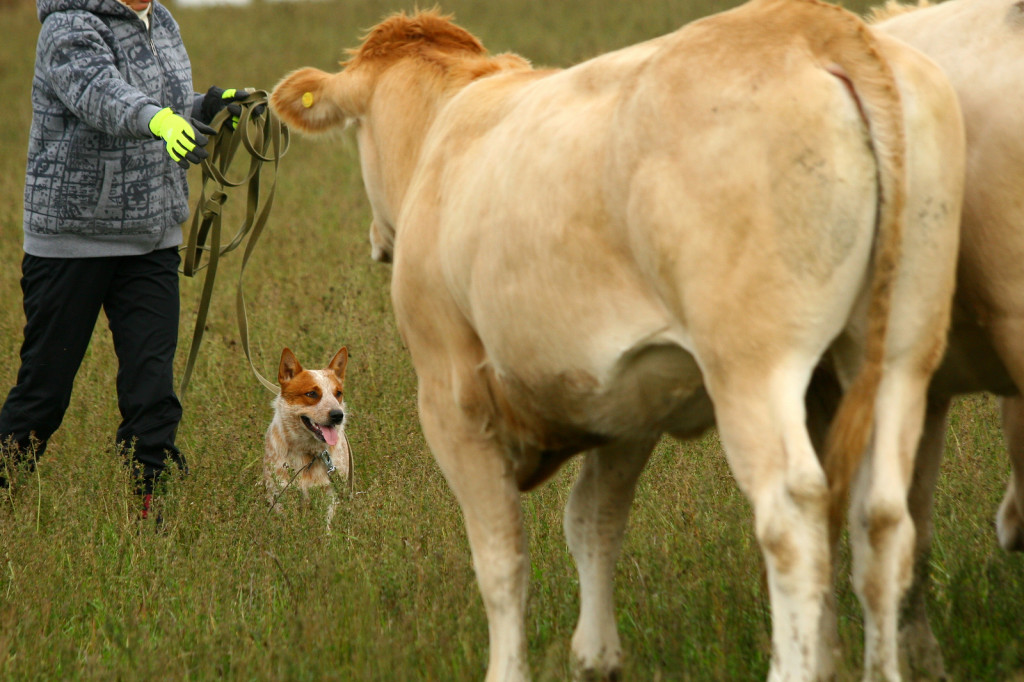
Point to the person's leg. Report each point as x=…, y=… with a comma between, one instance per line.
x=61, y=298
x=142, y=308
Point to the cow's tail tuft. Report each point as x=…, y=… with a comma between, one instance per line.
x=850, y=51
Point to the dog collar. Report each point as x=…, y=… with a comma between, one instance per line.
x=325, y=457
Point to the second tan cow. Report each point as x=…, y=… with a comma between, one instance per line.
x=980, y=46
x=663, y=238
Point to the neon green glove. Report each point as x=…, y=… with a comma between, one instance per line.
x=184, y=143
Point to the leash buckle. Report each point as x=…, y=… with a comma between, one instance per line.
x=325, y=457
x=214, y=204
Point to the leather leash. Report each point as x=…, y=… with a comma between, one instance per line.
x=265, y=138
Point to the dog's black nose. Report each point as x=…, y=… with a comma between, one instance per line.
x=336, y=416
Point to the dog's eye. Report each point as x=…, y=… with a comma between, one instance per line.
x=312, y=394
x=338, y=395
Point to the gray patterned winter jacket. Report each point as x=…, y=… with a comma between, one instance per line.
x=98, y=183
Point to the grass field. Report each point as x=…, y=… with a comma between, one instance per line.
x=229, y=591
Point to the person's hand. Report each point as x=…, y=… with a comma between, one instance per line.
x=184, y=142
x=217, y=99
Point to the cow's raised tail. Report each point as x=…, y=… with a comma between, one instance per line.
x=850, y=52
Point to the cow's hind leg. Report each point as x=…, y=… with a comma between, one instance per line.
x=1010, y=519
x=823, y=397
x=595, y=522
x=881, y=528
x=918, y=642
x=761, y=420
x=1006, y=329
x=481, y=477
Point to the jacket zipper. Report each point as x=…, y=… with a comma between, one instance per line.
x=149, y=35
x=152, y=47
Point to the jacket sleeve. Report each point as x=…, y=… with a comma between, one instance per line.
x=80, y=70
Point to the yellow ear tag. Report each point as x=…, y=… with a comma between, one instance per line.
x=307, y=99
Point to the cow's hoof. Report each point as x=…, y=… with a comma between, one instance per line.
x=584, y=673
x=920, y=654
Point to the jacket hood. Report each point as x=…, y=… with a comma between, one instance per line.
x=45, y=8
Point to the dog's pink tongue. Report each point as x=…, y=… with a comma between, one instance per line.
x=330, y=434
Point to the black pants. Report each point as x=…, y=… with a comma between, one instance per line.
x=62, y=299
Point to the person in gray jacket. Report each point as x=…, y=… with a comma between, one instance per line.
x=115, y=125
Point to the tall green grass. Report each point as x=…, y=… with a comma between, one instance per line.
x=227, y=590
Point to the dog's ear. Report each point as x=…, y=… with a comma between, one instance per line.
x=339, y=363
x=288, y=368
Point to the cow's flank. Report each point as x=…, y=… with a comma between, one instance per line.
x=662, y=238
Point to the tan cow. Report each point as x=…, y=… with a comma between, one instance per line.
x=658, y=239
x=980, y=46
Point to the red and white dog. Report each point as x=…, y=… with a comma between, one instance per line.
x=306, y=444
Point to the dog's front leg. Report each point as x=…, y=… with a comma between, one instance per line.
x=332, y=504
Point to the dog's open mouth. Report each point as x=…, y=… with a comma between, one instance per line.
x=324, y=432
